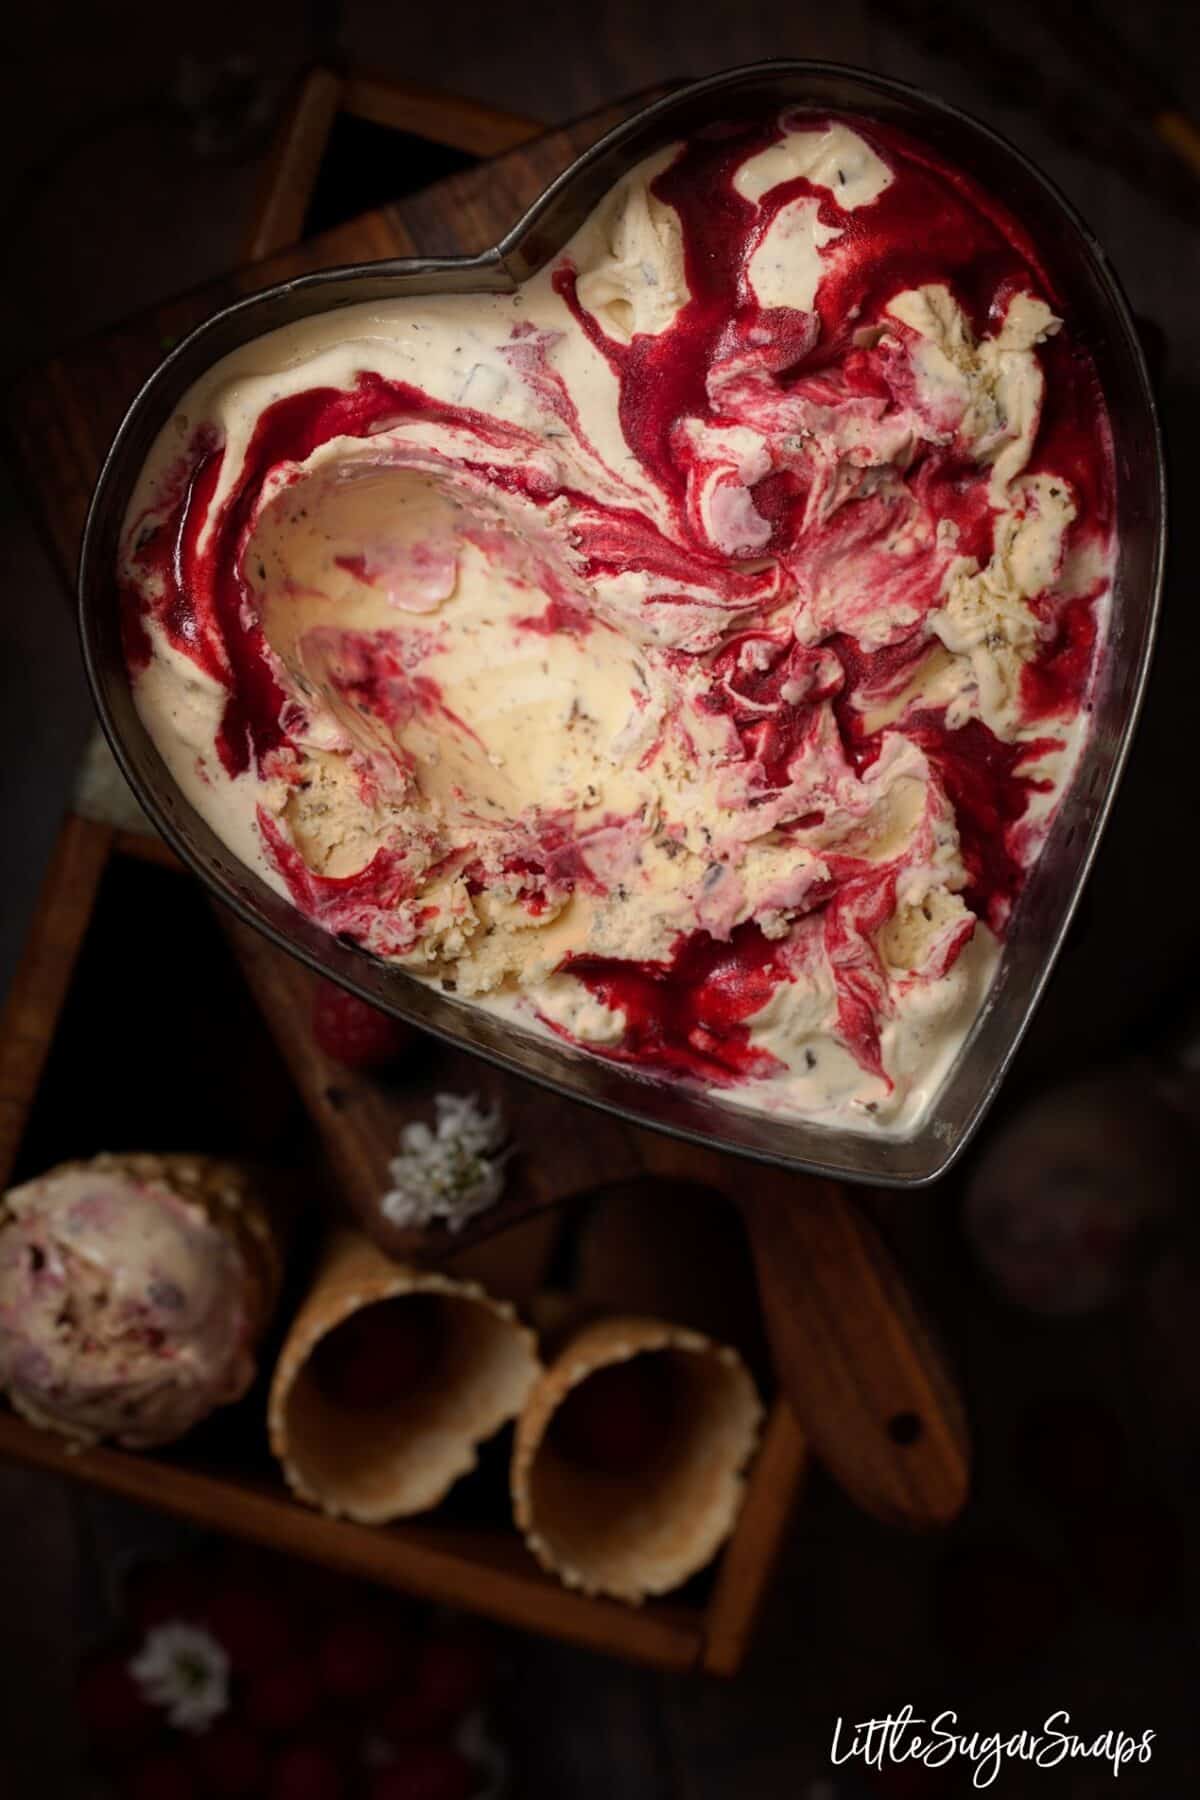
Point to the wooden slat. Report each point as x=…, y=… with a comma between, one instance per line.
x=303, y=136
x=749, y=1561
x=452, y=119
x=146, y=846
x=484, y=1572
x=44, y=973
x=293, y=165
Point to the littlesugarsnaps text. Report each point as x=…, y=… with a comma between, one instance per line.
x=906, y=1737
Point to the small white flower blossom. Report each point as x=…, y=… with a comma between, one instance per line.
x=183, y=1669
x=449, y=1171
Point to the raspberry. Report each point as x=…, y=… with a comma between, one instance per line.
x=306, y=1772
x=251, y=1628
x=450, y=1679
x=165, y=1776
x=232, y=1761
x=158, y=1591
x=425, y=1772
x=282, y=1699
x=353, y=1033
x=453, y=1675
x=112, y=1706
x=356, y=1660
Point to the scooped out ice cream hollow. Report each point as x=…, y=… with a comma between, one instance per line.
x=133, y=1293
x=683, y=655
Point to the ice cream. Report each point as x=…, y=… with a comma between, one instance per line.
x=389, y=1381
x=132, y=1293
x=683, y=654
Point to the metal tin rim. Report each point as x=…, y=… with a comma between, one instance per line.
x=492, y=268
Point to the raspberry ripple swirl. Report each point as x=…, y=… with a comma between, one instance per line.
x=684, y=654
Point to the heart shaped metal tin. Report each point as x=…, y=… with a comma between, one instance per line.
x=1102, y=320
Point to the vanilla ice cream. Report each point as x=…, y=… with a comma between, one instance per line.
x=132, y=1293
x=682, y=654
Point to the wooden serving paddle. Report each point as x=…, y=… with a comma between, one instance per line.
x=860, y=1367
x=861, y=1371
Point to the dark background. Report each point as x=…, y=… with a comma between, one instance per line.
x=131, y=140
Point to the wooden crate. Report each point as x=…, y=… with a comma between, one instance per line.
x=879, y=1405
x=85, y=956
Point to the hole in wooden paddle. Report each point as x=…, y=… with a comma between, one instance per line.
x=904, y=1428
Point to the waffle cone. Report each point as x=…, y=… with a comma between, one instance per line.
x=394, y=1460
x=645, y=1530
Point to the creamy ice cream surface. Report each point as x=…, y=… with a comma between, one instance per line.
x=123, y=1306
x=683, y=654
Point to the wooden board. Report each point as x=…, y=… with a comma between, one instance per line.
x=225, y=1482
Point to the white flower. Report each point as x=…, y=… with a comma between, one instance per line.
x=450, y=1171
x=183, y=1669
